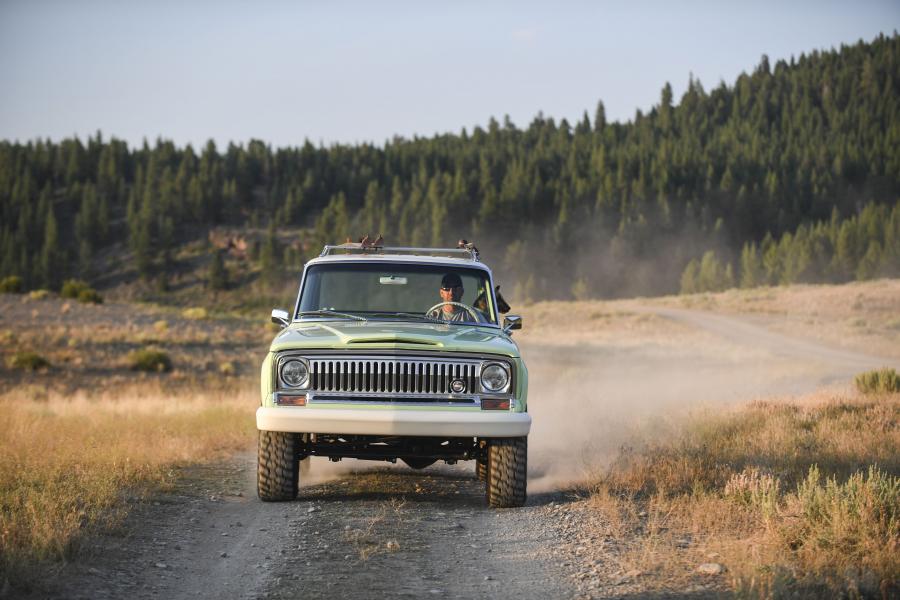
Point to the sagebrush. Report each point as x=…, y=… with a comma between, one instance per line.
x=797, y=499
x=880, y=381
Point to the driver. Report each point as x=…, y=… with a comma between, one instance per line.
x=451, y=291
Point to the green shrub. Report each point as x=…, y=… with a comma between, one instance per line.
x=151, y=361
x=881, y=381
x=27, y=361
x=227, y=368
x=38, y=294
x=72, y=287
x=90, y=296
x=197, y=313
x=81, y=291
x=11, y=285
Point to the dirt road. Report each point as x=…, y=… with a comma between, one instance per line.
x=385, y=532
x=395, y=532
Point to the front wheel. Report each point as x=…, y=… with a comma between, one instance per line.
x=278, y=467
x=507, y=470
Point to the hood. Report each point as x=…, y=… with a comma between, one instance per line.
x=359, y=336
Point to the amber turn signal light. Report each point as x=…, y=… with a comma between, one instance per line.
x=290, y=400
x=495, y=404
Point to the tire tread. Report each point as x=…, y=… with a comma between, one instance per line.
x=507, y=472
x=278, y=467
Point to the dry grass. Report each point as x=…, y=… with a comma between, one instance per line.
x=862, y=316
x=598, y=322
x=880, y=381
x=86, y=435
x=69, y=462
x=795, y=499
x=89, y=345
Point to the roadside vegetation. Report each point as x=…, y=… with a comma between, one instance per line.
x=71, y=463
x=27, y=361
x=81, y=291
x=100, y=405
x=794, y=498
x=150, y=360
x=11, y=285
x=881, y=381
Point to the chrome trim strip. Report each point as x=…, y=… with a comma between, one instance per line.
x=474, y=402
x=395, y=373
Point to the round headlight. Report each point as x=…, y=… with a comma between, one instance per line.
x=294, y=373
x=494, y=377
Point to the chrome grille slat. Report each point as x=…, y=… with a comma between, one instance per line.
x=394, y=375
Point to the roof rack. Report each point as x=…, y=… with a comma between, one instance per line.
x=464, y=253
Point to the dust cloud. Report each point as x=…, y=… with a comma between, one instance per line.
x=588, y=400
x=322, y=470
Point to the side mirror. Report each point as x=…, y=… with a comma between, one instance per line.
x=511, y=322
x=280, y=317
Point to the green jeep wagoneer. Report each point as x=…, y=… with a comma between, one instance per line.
x=395, y=353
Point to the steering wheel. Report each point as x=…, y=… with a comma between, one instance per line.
x=479, y=318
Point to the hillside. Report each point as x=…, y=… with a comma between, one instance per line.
x=785, y=146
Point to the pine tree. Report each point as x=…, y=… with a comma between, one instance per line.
x=218, y=273
x=51, y=262
x=751, y=267
x=711, y=276
x=268, y=256
x=771, y=259
x=689, y=278
x=438, y=209
x=869, y=265
x=600, y=117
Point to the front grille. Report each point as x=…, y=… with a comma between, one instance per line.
x=394, y=376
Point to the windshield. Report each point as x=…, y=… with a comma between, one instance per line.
x=387, y=290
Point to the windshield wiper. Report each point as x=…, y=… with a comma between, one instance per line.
x=329, y=313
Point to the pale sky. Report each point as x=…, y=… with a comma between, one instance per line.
x=350, y=72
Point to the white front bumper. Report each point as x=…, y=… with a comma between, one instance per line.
x=393, y=422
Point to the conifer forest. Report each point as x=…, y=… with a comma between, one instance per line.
x=791, y=173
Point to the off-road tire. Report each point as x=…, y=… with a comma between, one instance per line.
x=278, y=467
x=507, y=470
x=481, y=469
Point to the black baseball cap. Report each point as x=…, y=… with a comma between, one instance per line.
x=451, y=280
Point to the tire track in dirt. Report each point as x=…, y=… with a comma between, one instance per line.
x=382, y=532
x=741, y=332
